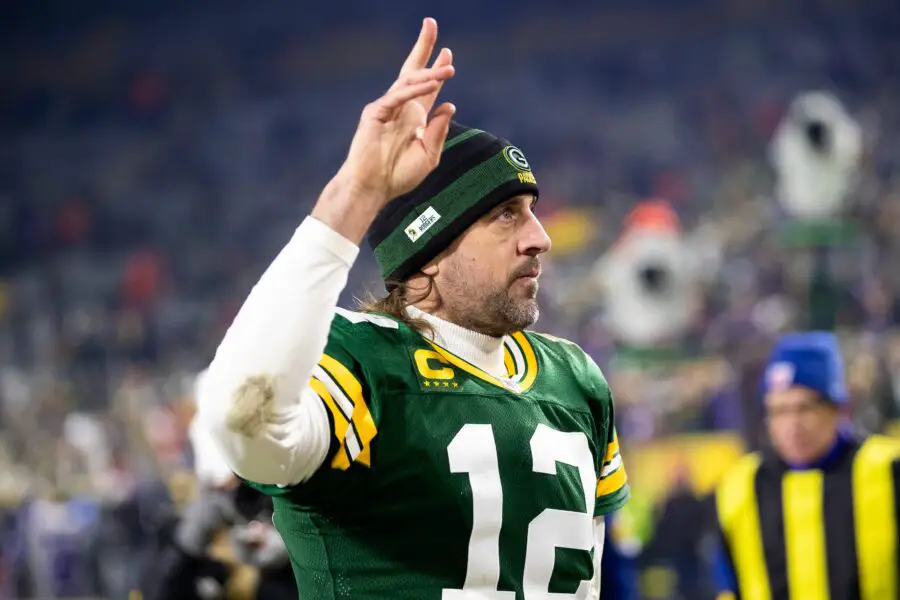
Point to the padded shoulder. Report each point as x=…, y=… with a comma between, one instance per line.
x=579, y=362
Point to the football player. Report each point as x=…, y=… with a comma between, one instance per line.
x=428, y=446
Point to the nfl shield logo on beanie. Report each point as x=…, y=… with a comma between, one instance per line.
x=780, y=376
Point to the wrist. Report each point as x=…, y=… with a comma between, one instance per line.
x=348, y=208
x=346, y=182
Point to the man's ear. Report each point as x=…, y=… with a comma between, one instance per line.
x=431, y=269
x=845, y=411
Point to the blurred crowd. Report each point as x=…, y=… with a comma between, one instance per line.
x=153, y=165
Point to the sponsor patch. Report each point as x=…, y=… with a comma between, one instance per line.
x=422, y=223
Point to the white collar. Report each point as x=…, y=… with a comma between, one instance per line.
x=483, y=351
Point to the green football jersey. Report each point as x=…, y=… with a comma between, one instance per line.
x=444, y=482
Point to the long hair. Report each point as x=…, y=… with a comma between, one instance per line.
x=395, y=303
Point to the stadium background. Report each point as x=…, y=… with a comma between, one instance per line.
x=155, y=156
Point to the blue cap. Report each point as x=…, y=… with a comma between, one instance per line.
x=810, y=359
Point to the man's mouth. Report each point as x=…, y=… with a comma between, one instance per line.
x=530, y=274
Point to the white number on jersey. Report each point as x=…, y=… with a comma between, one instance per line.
x=474, y=451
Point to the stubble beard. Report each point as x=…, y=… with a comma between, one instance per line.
x=500, y=312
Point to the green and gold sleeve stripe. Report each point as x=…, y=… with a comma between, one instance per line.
x=612, y=472
x=342, y=394
x=341, y=459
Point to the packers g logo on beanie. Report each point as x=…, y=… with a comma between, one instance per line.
x=516, y=158
x=477, y=172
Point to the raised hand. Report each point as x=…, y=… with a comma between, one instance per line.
x=400, y=136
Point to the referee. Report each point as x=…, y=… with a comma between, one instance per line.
x=816, y=517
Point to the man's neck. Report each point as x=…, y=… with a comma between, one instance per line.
x=483, y=351
x=826, y=458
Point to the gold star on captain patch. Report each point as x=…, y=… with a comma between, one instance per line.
x=446, y=384
x=456, y=385
x=427, y=383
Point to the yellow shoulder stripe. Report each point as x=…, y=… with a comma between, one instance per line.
x=874, y=519
x=350, y=391
x=612, y=449
x=341, y=460
x=738, y=514
x=612, y=483
x=612, y=472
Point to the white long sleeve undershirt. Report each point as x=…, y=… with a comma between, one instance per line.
x=279, y=334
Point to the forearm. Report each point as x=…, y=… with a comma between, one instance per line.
x=251, y=400
x=346, y=208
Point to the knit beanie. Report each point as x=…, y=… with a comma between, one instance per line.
x=810, y=359
x=477, y=172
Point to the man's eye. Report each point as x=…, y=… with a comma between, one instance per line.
x=506, y=215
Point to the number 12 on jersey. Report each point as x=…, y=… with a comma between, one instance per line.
x=474, y=451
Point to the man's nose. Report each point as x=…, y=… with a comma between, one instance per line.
x=534, y=239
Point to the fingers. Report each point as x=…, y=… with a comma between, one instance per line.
x=436, y=131
x=438, y=73
x=444, y=58
x=443, y=61
x=421, y=85
x=421, y=52
x=383, y=108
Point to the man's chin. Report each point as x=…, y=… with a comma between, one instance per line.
x=529, y=285
x=529, y=311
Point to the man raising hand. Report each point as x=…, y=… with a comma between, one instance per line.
x=426, y=447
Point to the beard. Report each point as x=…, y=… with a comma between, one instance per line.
x=505, y=313
x=496, y=312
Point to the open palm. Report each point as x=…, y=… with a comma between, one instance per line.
x=400, y=136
